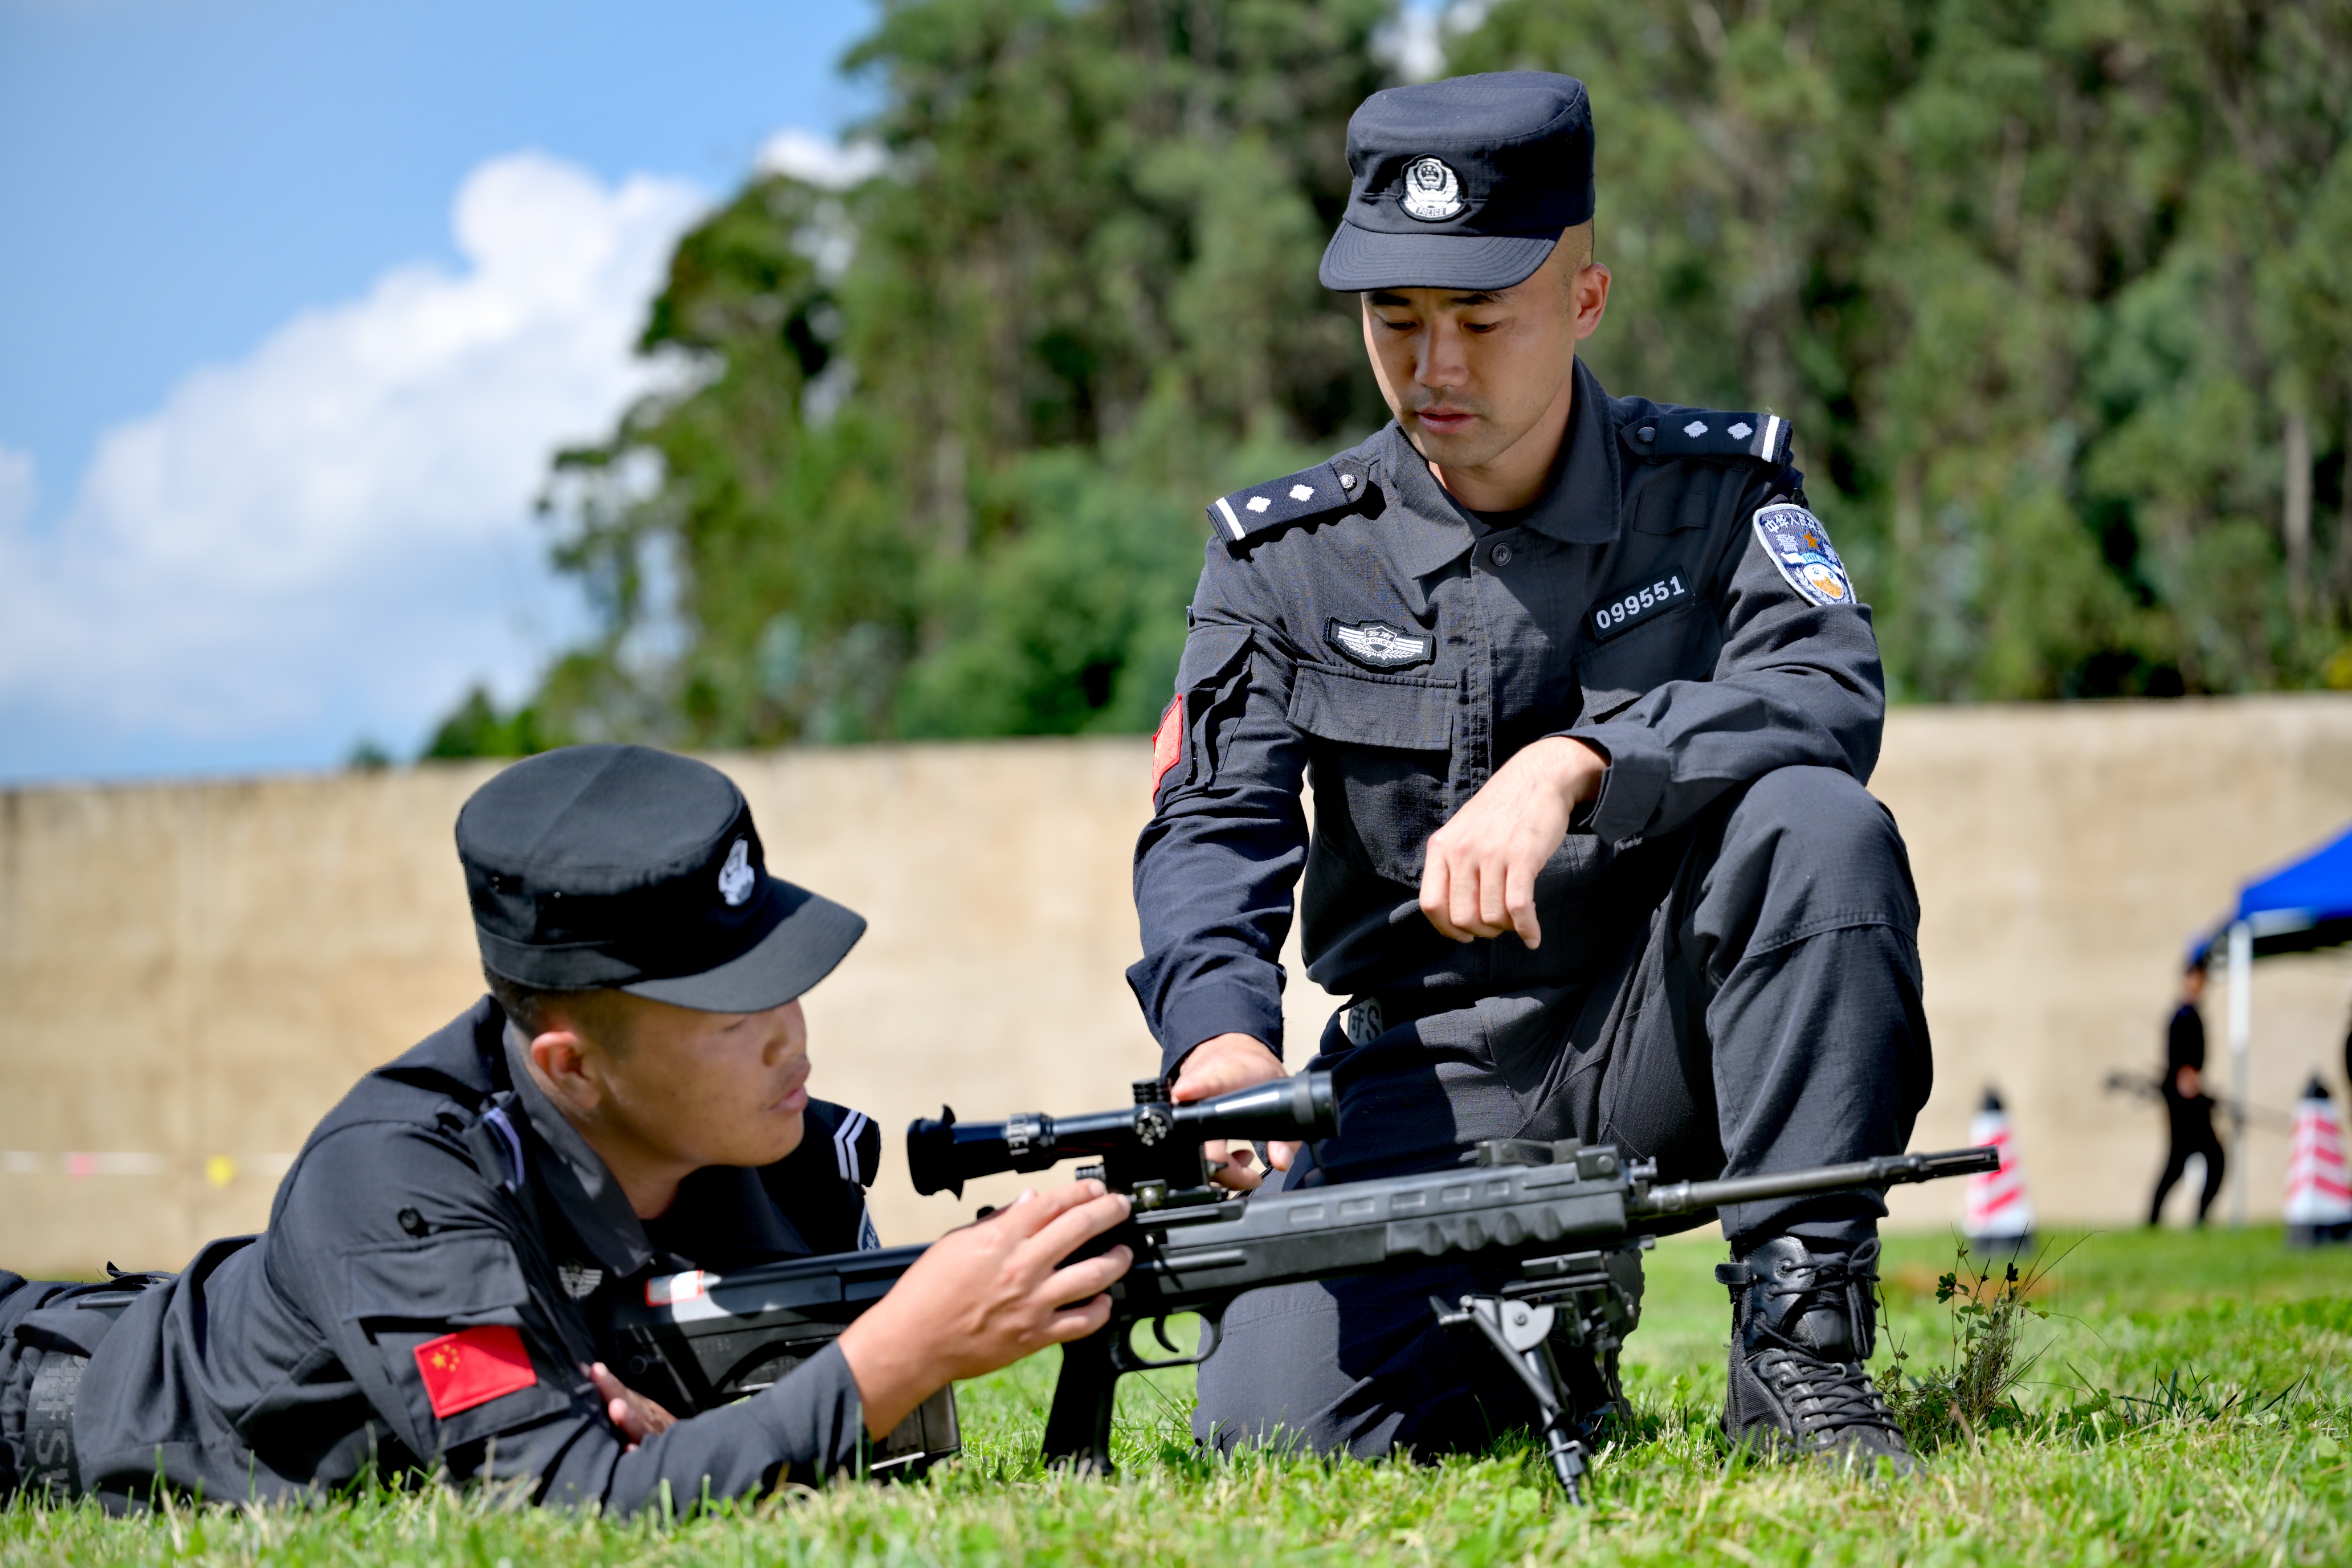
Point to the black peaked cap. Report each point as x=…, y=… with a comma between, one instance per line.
x=635, y=870
x=1463, y=183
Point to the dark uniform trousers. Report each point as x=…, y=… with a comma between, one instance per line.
x=1760, y=1010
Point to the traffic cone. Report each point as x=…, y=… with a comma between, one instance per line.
x=2318, y=1197
x=1999, y=1216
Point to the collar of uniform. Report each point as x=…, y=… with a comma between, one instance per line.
x=584, y=1186
x=1427, y=531
x=1579, y=507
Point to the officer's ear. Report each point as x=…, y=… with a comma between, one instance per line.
x=559, y=1061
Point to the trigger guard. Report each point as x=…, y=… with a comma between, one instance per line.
x=1124, y=1357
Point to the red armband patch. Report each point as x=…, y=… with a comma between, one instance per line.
x=473, y=1366
x=1168, y=744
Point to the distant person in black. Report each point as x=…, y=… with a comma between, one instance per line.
x=2186, y=1104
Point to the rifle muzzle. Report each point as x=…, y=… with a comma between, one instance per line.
x=1887, y=1171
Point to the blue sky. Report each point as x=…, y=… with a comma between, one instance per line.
x=297, y=299
x=176, y=178
x=183, y=187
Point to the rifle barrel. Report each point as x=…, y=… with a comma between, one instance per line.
x=1886, y=1171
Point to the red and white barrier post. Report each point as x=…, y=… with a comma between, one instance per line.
x=1999, y=1216
x=2318, y=1195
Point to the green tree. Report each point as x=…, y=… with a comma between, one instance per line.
x=2026, y=276
x=933, y=459
x=2053, y=290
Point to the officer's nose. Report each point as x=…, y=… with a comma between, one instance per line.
x=1442, y=361
x=787, y=1029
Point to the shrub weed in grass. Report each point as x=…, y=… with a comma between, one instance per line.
x=2190, y=1406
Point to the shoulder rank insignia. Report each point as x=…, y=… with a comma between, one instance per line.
x=1800, y=546
x=1708, y=433
x=1326, y=487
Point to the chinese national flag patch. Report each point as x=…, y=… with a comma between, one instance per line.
x=473, y=1366
x=1168, y=744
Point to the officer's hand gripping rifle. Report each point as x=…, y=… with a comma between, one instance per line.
x=698, y=1341
x=1566, y=1222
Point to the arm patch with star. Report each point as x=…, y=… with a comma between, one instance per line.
x=1800, y=546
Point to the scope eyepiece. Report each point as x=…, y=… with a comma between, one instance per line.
x=943, y=1154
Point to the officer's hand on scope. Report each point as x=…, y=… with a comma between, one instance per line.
x=1478, y=879
x=1219, y=1066
x=985, y=1296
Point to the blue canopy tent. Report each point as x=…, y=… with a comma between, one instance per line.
x=2297, y=909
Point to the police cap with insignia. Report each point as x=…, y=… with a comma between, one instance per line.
x=1463, y=183
x=628, y=869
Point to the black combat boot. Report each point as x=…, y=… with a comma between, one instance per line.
x=1802, y=1324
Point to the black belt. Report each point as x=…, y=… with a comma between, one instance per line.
x=1368, y=1017
x=50, y=1473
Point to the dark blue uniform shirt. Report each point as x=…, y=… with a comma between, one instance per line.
x=445, y=1195
x=1355, y=630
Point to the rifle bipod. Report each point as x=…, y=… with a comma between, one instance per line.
x=1521, y=1332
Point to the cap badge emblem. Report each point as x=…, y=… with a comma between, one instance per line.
x=736, y=877
x=1432, y=193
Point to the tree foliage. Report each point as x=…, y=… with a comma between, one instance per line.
x=2056, y=292
x=2047, y=287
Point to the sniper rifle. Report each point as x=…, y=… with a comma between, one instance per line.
x=1563, y=1225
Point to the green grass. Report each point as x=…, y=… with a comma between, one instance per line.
x=2192, y=1403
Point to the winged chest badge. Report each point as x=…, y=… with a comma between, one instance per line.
x=1376, y=644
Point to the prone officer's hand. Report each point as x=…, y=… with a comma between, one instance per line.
x=985, y=1296
x=1221, y=1065
x=1478, y=879
x=636, y=1417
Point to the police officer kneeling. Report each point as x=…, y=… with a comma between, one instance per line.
x=630, y=1100
x=1587, y=703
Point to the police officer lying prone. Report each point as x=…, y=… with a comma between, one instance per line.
x=630, y=1100
x=1587, y=705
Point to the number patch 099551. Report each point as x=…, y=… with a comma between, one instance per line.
x=1619, y=613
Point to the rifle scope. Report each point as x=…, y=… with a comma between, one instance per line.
x=1153, y=1139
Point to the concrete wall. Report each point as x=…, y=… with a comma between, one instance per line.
x=190, y=973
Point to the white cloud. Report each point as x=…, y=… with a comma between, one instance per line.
x=17, y=489
x=1414, y=44
x=819, y=160
x=333, y=534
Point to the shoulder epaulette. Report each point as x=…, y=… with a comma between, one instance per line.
x=1708, y=433
x=1328, y=487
